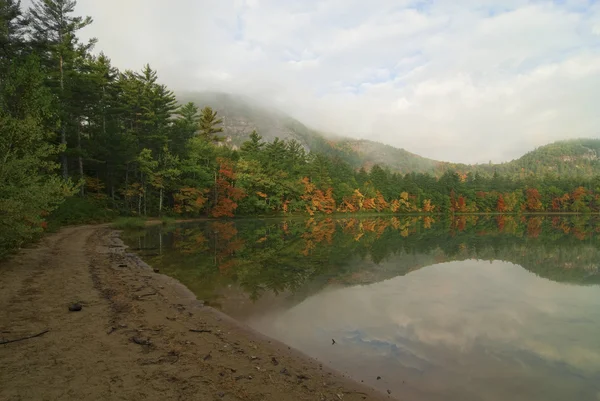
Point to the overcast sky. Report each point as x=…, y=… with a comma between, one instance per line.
x=457, y=80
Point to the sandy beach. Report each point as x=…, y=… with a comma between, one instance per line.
x=140, y=335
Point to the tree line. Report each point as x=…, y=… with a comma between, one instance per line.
x=73, y=126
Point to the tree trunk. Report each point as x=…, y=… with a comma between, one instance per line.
x=103, y=111
x=160, y=241
x=160, y=202
x=80, y=159
x=63, y=133
x=216, y=194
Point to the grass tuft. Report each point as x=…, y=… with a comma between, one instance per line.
x=129, y=223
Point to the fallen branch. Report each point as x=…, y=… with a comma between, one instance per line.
x=24, y=338
x=200, y=331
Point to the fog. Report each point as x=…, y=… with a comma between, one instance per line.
x=448, y=80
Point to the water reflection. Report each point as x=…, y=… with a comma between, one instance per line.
x=466, y=330
x=493, y=316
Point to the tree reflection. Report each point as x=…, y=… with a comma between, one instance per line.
x=304, y=255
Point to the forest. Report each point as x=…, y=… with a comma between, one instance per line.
x=80, y=138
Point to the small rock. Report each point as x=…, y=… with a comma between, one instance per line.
x=302, y=377
x=389, y=392
x=141, y=341
x=284, y=371
x=332, y=341
x=75, y=307
x=274, y=361
x=378, y=377
x=207, y=357
x=156, y=270
x=253, y=358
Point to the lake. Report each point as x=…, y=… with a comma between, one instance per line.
x=487, y=308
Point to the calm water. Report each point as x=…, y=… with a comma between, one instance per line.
x=479, y=308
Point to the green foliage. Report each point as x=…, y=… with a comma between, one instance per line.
x=29, y=190
x=129, y=223
x=166, y=220
x=76, y=210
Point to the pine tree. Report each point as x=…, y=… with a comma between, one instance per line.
x=254, y=145
x=209, y=125
x=13, y=27
x=54, y=33
x=185, y=127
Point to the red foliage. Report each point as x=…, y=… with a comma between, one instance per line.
x=500, y=205
x=461, y=204
x=534, y=227
x=227, y=195
x=534, y=203
x=500, y=220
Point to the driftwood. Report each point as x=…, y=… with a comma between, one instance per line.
x=24, y=338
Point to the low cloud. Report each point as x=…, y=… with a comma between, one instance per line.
x=446, y=79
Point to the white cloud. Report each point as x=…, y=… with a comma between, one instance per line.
x=452, y=80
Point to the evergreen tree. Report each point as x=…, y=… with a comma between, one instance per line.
x=13, y=27
x=54, y=32
x=209, y=125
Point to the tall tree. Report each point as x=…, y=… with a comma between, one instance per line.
x=186, y=125
x=13, y=27
x=54, y=30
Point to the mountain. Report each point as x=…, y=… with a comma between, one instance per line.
x=569, y=158
x=241, y=115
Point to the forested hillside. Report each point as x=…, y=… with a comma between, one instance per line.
x=73, y=126
x=241, y=115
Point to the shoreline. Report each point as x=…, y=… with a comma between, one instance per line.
x=140, y=335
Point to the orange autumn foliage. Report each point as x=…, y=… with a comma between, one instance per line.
x=227, y=195
x=316, y=200
x=189, y=200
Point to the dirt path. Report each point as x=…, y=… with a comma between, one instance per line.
x=132, y=340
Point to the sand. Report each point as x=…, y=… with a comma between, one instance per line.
x=139, y=336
